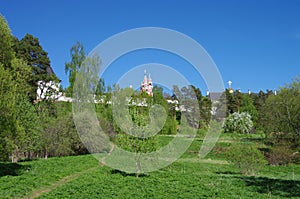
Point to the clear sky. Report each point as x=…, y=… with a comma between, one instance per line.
x=255, y=44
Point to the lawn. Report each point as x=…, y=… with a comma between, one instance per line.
x=189, y=177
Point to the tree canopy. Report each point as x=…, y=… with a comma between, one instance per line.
x=282, y=111
x=71, y=68
x=6, y=50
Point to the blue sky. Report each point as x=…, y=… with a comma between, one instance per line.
x=255, y=44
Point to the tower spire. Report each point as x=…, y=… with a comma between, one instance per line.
x=146, y=85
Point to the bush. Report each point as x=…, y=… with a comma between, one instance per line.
x=280, y=155
x=238, y=123
x=282, y=148
x=247, y=158
x=279, y=138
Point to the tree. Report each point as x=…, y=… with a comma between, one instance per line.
x=259, y=101
x=205, y=107
x=190, y=103
x=109, y=89
x=136, y=123
x=282, y=111
x=170, y=126
x=28, y=139
x=116, y=87
x=158, y=97
x=72, y=67
x=6, y=44
x=248, y=106
x=205, y=111
x=136, y=144
x=233, y=101
x=30, y=50
x=18, y=118
x=60, y=137
x=22, y=76
x=7, y=116
x=100, y=90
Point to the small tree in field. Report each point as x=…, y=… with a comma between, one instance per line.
x=238, y=123
x=137, y=146
x=137, y=125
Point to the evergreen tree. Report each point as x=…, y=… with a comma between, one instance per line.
x=259, y=101
x=233, y=101
x=30, y=50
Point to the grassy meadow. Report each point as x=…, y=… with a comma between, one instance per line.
x=188, y=177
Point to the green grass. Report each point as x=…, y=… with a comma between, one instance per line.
x=180, y=180
x=189, y=177
x=23, y=178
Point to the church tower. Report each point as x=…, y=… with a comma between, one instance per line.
x=146, y=85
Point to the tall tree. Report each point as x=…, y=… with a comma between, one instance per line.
x=205, y=111
x=190, y=103
x=170, y=126
x=100, y=90
x=282, y=111
x=6, y=43
x=22, y=76
x=259, y=101
x=30, y=50
x=205, y=107
x=248, y=106
x=28, y=131
x=72, y=67
x=7, y=116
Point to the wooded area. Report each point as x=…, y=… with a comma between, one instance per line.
x=33, y=129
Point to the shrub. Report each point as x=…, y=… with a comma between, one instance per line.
x=282, y=148
x=238, y=123
x=280, y=155
x=247, y=158
x=279, y=138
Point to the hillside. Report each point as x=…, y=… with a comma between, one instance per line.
x=189, y=177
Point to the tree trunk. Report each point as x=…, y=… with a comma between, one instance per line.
x=46, y=154
x=15, y=155
x=138, y=167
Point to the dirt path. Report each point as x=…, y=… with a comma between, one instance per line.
x=59, y=183
x=208, y=161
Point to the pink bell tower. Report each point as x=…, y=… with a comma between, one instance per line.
x=146, y=85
